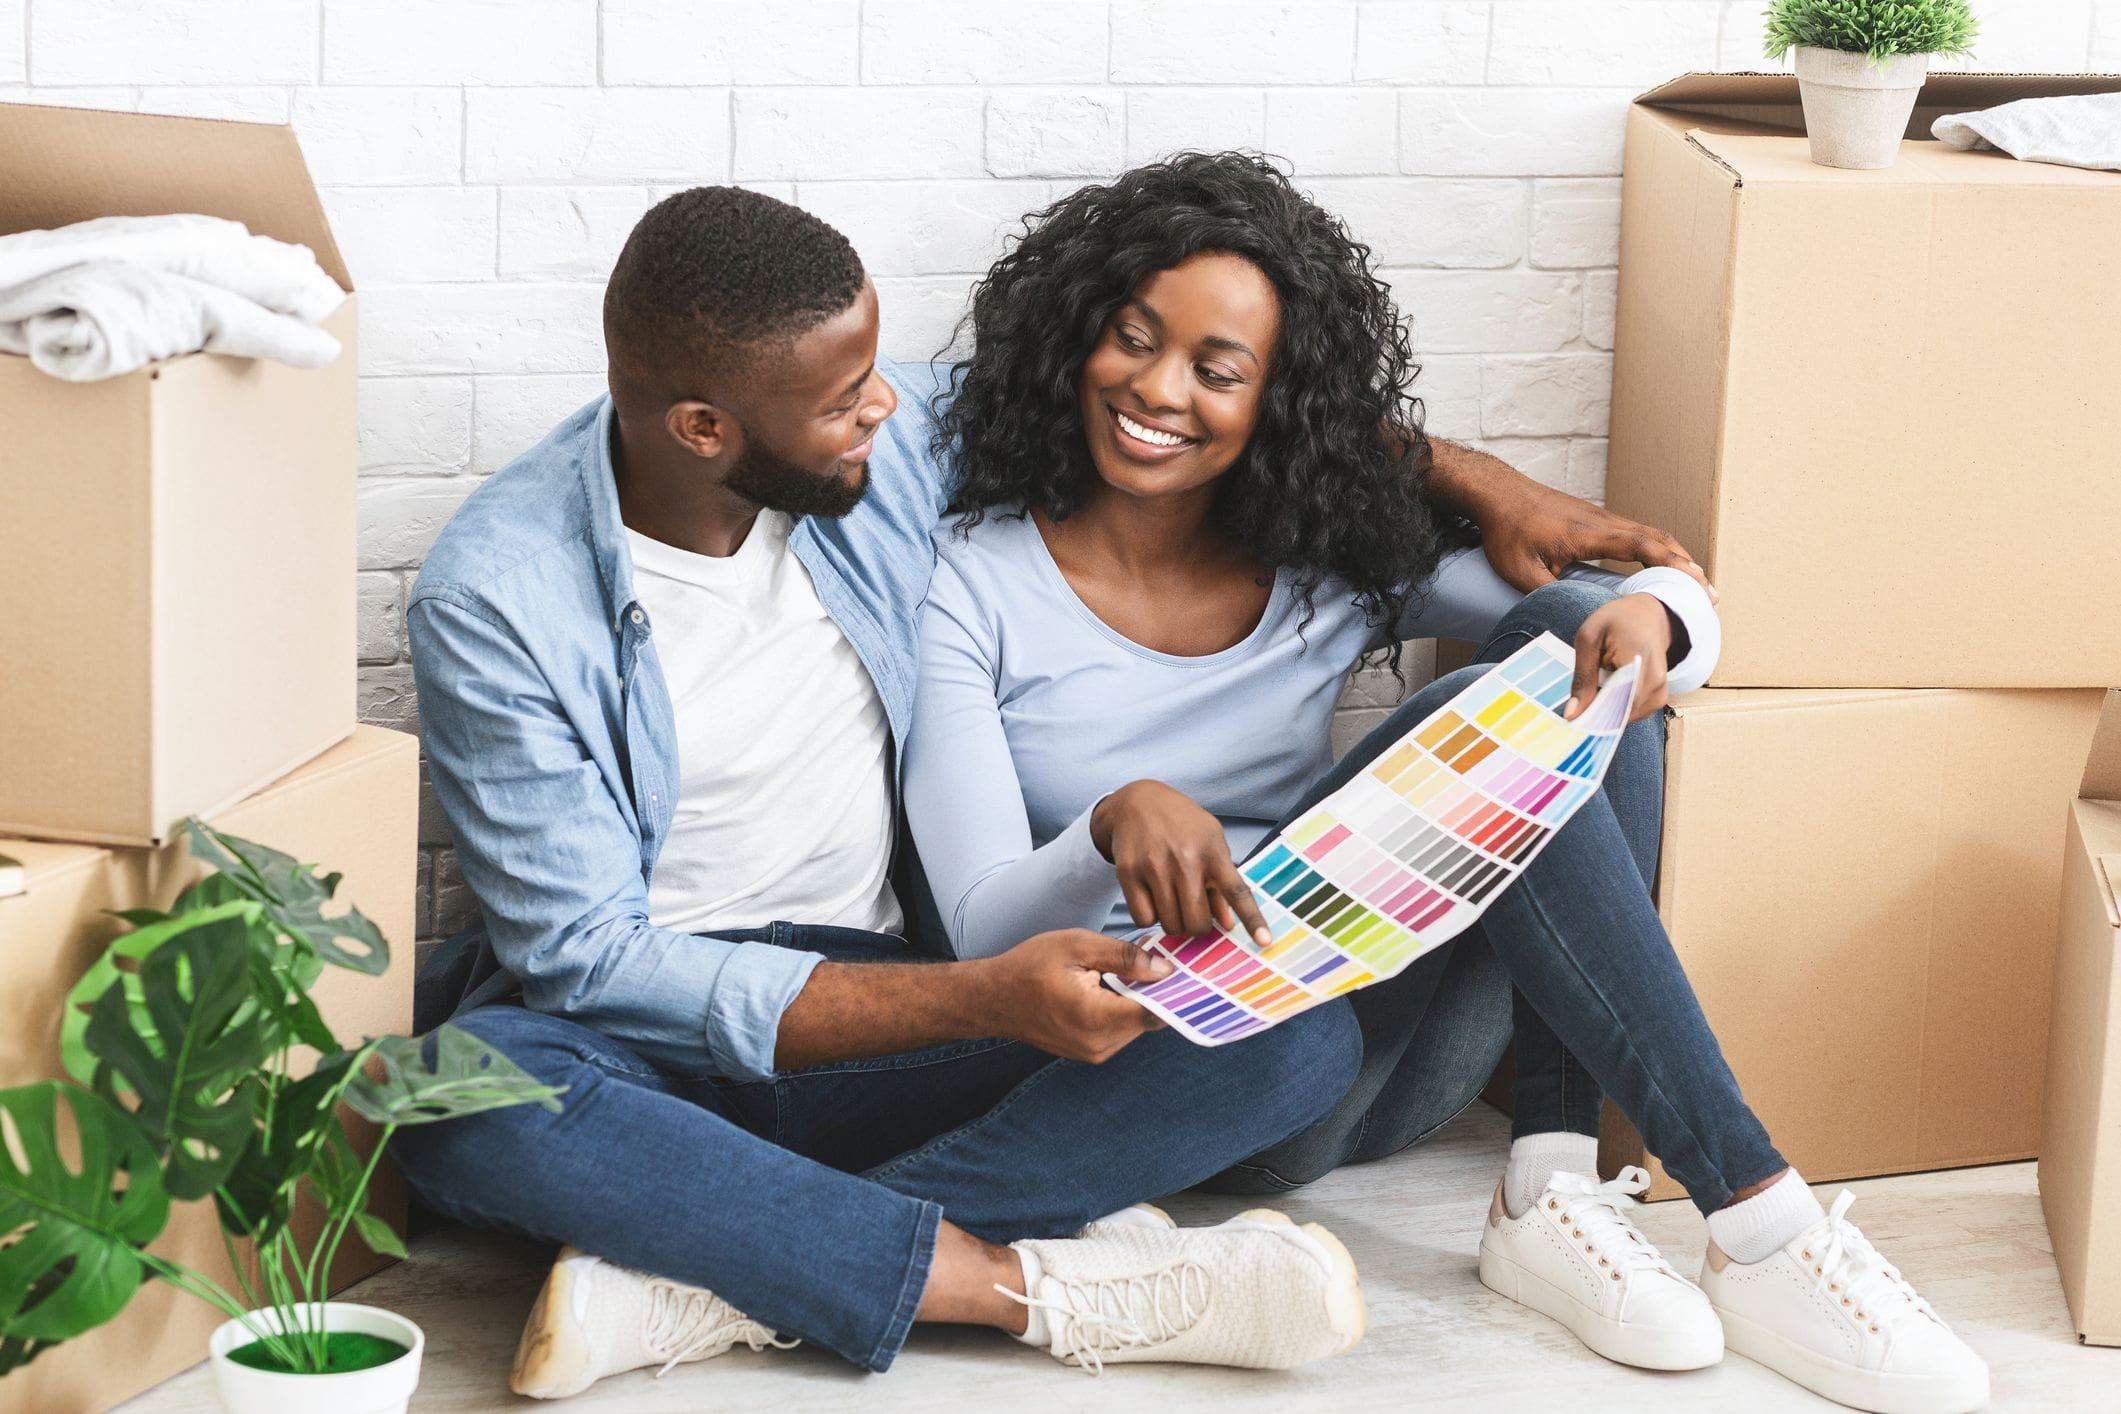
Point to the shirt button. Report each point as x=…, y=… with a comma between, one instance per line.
x=638, y=617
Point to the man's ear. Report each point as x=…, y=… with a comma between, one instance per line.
x=702, y=428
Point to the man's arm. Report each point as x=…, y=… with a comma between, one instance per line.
x=545, y=846
x=1048, y=991
x=1531, y=532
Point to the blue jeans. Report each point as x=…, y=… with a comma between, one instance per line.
x=1572, y=957
x=811, y=1201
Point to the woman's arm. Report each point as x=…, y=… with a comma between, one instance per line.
x=966, y=805
x=1466, y=598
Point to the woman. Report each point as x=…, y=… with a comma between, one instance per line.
x=1187, y=512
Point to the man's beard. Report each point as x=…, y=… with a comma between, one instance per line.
x=762, y=477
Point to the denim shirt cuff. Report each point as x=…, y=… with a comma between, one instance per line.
x=756, y=984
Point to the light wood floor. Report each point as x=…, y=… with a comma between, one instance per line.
x=1972, y=1240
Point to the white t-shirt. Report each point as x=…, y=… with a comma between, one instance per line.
x=784, y=751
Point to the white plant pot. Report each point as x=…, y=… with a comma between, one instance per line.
x=382, y=1390
x=1856, y=112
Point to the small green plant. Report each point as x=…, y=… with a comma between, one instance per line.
x=1879, y=28
x=181, y=1041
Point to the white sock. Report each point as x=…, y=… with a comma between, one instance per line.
x=1538, y=1157
x=1035, y=1332
x=1753, y=1229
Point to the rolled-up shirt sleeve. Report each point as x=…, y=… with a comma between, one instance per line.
x=543, y=839
x=966, y=805
x=1466, y=599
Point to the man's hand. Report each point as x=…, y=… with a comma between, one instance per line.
x=1631, y=627
x=1532, y=532
x=1173, y=862
x=1049, y=992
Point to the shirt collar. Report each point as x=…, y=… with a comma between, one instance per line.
x=607, y=531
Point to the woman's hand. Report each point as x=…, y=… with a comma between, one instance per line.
x=1173, y=862
x=1632, y=626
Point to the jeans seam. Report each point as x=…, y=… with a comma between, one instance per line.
x=927, y=1221
x=943, y=1141
x=1562, y=950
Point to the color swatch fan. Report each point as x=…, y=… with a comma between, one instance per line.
x=1406, y=855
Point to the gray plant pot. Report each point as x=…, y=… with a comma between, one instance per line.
x=1856, y=112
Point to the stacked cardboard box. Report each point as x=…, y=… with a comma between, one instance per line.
x=1878, y=405
x=2080, y=1146
x=177, y=629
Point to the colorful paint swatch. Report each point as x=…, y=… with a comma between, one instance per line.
x=1406, y=855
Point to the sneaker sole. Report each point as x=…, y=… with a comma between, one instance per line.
x=552, y=1357
x=1346, y=1311
x=1871, y=1390
x=1644, y=1347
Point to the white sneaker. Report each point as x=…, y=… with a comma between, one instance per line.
x=1141, y=1215
x=1832, y=1314
x=1257, y=1292
x=1576, y=1255
x=594, y=1318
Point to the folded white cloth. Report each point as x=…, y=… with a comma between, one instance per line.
x=282, y=277
x=98, y=320
x=2075, y=130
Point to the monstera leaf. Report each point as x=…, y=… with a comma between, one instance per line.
x=119, y=969
x=467, y=1077
x=257, y=1197
x=294, y=896
x=188, y=1052
x=69, y=1237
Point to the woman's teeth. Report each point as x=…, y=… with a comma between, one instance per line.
x=1148, y=434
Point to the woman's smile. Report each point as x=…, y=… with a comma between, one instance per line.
x=1144, y=440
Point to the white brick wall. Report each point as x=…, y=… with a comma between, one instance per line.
x=482, y=161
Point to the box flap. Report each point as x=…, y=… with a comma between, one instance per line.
x=11, y=876
x=2102, y=766
x=62, y=165
x=1758, y=155
x=1770, y=99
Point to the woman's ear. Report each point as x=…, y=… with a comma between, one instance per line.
x=701, y=428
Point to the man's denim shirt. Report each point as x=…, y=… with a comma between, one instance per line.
x=548, y=734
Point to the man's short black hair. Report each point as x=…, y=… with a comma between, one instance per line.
x=713, y=275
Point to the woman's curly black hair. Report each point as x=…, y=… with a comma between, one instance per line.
x=1320, y=490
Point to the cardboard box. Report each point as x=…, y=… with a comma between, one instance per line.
x=353, y=810
x=1862, y=886
x=2080, y=1145
x=1878, y=405
x=176, y=545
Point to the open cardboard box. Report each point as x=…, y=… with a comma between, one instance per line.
x=2080, y=1149
x=1879, y=406
x=353, y=810
x=1862, y=885
x=177, y=545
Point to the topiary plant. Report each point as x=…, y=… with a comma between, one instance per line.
x=1878, y=28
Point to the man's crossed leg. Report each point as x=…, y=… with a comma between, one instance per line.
x=843, y=1202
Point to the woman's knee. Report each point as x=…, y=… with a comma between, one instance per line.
x=1559, y=608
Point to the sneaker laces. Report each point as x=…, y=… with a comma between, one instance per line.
x=1119, y=1313
x=1600, y=1210
x=684, y=1320
x=1846, y=1266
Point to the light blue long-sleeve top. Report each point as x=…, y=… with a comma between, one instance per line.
x=1030, y=709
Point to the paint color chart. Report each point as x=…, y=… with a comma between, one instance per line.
x=1406, y=855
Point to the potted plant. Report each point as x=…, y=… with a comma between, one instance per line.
x=1860, y=64
x=183, y=1045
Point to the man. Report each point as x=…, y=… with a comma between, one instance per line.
x=663, y=658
